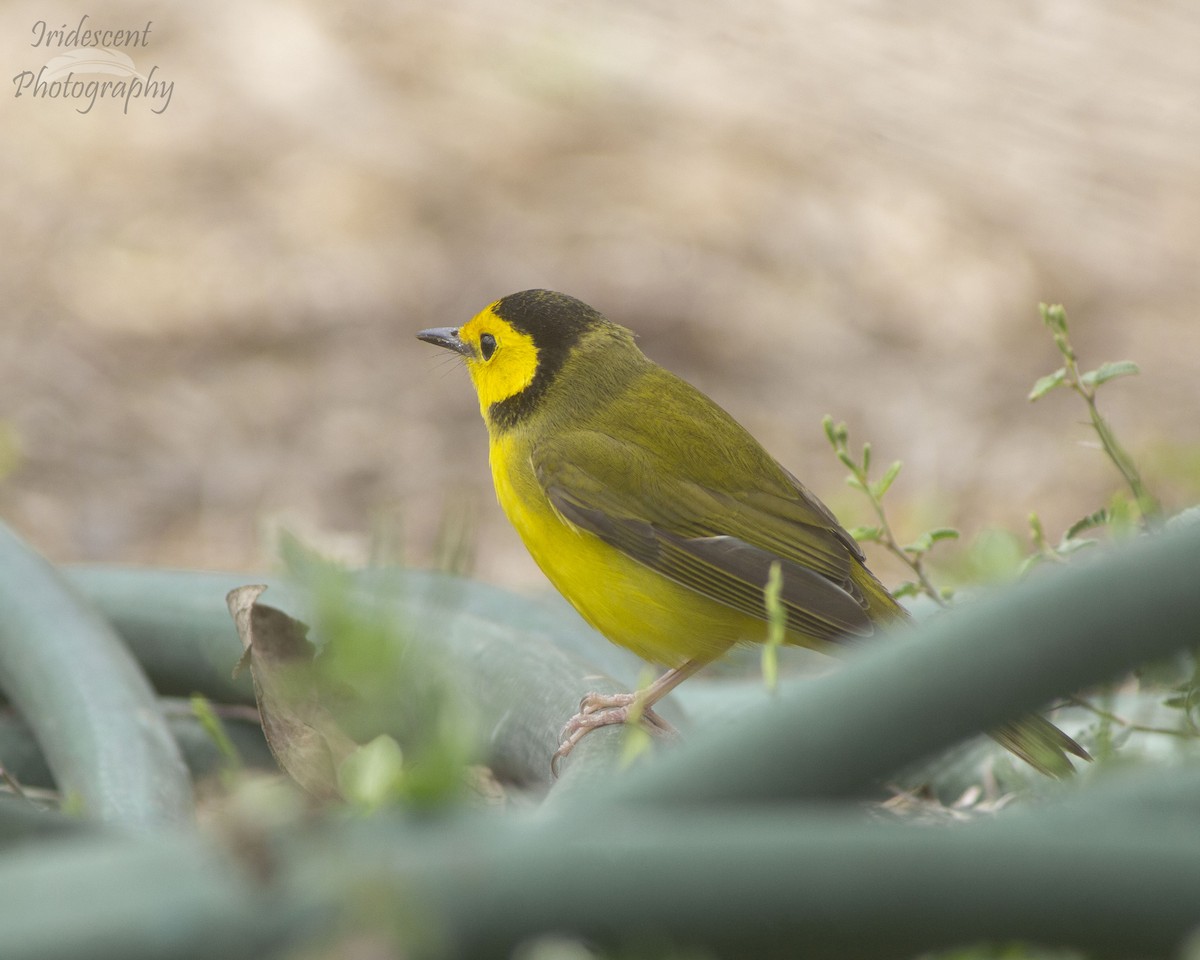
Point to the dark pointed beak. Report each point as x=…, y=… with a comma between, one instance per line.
x=446, y=337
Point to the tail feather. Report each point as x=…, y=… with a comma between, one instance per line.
x=1040, y=744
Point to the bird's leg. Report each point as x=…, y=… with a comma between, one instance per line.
x=601, y=709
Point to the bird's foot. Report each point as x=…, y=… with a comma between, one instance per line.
x=600, y=710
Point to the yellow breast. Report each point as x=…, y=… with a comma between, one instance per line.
x=629, y=603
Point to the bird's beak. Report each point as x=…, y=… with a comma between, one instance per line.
x=447, y=337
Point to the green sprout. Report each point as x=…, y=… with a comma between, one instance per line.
x=210, y=723
x=776, y=626
x=1085, y=385
x=638, y=740
x=912, y=555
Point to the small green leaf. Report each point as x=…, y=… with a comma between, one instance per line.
x=637, y=743
x=847, y=461
x=1029, y=563
x=1069, y=545
x=1048, y=383
x=776, y=626
x=72, y=805
x=1109, y=371
x=1097, y=519
x=371, y=776
x=637, y=707
x=906, y=589
x=202, y=710
x=924, y=543
x=637, y=740
x=1123, y=515
x=866, y=458
x=1037, y=532
x=881, y=486
x=856, y=484
x=943, y=533
x=828, y=426
x=1054, y=317
x=921, y=545
x=866, y=534
x=836, y=432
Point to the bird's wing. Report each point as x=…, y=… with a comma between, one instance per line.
x=720, y=543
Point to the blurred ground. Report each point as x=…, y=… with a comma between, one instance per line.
x=209, y=313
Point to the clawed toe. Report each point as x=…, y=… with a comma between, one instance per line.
x=599, y=702
x=601, y=710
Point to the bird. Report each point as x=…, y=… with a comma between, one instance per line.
x=657, y=515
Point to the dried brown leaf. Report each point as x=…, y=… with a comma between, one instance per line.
x=307, y=742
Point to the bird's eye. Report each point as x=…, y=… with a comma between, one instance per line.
x=487, y=345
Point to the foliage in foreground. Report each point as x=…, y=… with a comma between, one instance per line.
x=420, y=711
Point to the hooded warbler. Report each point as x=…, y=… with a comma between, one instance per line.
x=656, y=514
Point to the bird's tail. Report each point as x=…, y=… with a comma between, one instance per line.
x=1033, y=738
x=1040, y=744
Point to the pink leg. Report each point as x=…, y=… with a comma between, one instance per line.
x=600, y=709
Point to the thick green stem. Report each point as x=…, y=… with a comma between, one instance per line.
x=89, y=705
x=1096, y=874
x=522, y=665
x=962, y=672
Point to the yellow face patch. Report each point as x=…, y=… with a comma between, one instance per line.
x=504, y=360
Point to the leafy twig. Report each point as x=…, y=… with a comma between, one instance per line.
x=1187, y=695
x=1069, y=543
x=1122, y=722
x=911, y=555
x=1085, y=384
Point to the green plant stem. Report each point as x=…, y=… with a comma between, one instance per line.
x=1089, y=871
x=1122, y=722
x=1120, y=457
x=806, y=881
x=965, y=671
x=889, y=542
x=85, y=698
x=24, y=760
x=838, y=437
x=523, y=665
x=166, y=895
x=1124, y=462
x=1040, y=543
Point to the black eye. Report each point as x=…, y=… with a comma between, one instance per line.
x=487, y=345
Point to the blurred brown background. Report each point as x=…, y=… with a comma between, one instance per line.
x=852, y=209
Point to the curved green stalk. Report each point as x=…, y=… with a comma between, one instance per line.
x=522, y=664
x=89, y=706
x=959, y=673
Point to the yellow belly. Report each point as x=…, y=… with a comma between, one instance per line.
x=629, y=603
